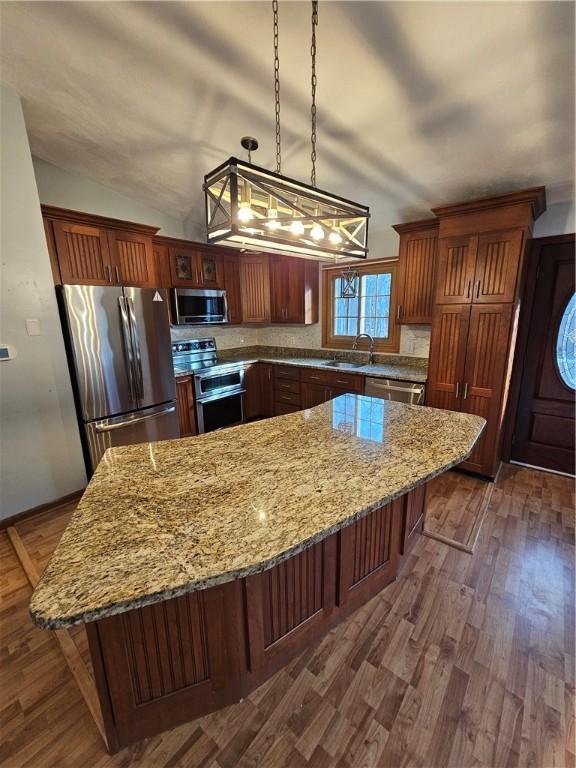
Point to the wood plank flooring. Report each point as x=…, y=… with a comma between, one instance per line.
x=456, y=506
x=465, y=661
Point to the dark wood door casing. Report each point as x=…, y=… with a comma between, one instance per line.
x=544, y=420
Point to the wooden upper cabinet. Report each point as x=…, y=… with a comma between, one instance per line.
x=133, y=260
x=195, y=267
x=497, y=265
x=484, y=378
x=293, y=290
x=83, y=254
x=416, y=271
x=231, y=272
x=447, y=356
x=456, y=269
x=162, y=264
x=255, y=288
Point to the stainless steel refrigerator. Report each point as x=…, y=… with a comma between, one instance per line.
x=120, y=349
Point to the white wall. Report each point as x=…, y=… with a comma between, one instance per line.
x=558, y=219
x=69, y=190
x=40, y=452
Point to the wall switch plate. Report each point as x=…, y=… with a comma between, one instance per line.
x=33, y=327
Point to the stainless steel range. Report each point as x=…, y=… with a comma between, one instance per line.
x=218, y=386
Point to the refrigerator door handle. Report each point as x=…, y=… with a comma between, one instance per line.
x=128, y=348
x=104, y=427
x=136, y=349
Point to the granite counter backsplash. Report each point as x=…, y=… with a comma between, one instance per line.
x=399, y=367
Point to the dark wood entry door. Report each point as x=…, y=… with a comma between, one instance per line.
x=544, y=429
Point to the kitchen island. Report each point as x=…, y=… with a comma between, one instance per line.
x=200, y=566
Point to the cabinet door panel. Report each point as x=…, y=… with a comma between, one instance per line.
x=499, y=255
x=314, y=394
x=83, y=254
x=417, y=269
x=278, y=288
x=267, y=389
x=231, y=270
x=186, y=411
x=209, y=268
x=184, y=267
x=447, y=356
x=369, y=551
x=252, y=395
x=456, y=264
x=255, y=289
x=484, y=375
x=133, y=259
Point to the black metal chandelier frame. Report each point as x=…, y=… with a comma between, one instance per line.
x=276, y=202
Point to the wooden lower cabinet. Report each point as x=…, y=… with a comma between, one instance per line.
x=164, y=664
x=186, y=407
x=259, y=396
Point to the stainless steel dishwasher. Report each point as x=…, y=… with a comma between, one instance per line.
x=402, y=391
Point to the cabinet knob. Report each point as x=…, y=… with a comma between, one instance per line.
x=457, y=390
x=399, y=312
x=117, y=273
x=465, y=393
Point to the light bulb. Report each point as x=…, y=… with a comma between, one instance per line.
x=272, y=214
x=335, y=238
x=317, y=233
x=297, y=228
x=245, y=213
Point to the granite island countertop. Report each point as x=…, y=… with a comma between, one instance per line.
x=401, y=368
x=161, y=519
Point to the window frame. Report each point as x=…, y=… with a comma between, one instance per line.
x=329, y=275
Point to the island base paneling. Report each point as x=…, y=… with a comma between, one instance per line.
x=164, y=664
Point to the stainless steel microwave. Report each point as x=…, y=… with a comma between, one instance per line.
x=198, y=306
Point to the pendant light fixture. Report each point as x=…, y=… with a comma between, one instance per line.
x=250, y=207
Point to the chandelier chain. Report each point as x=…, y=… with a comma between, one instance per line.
x=277, y=87
x=314, y=82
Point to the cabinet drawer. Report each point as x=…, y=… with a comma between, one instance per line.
x=287, y=372
x=350, y=381
x=287, y=385
x=288, y=397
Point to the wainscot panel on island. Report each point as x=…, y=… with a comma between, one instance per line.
x=200, y=566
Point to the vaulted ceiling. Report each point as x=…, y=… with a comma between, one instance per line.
x=419, y=103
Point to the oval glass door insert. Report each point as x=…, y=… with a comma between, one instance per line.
x=566, y=345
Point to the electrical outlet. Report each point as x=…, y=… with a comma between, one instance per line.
x=292, y=341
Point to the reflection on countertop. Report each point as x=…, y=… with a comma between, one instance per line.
x=161, y=519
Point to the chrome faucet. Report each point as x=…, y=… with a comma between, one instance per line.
x=370, y=348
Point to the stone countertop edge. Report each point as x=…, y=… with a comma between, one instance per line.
x=234, y=575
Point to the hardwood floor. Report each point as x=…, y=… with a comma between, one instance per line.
x=465, y=661
x=456, y=506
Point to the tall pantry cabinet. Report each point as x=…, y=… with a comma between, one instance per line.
x=479, y=275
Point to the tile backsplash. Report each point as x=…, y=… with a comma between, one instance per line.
x=414, y=339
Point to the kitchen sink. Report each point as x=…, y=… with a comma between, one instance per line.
x=342, y=364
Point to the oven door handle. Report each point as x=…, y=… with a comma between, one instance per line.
x=219, y=396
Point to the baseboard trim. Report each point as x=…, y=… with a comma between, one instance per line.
x=541, y=469
x=61, y=502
